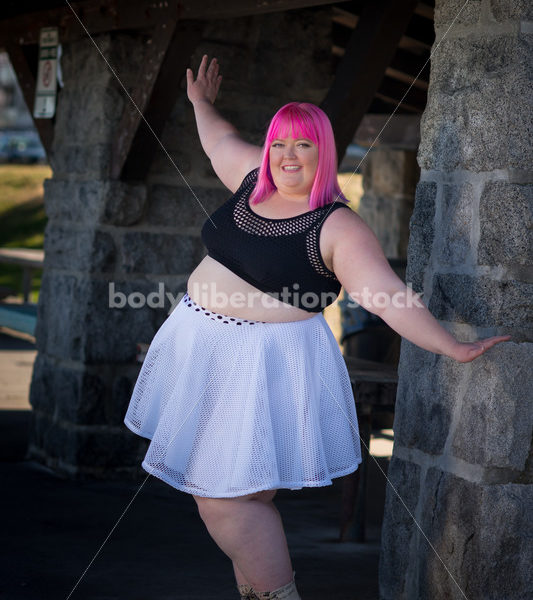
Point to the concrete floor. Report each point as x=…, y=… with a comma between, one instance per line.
x=110, y=540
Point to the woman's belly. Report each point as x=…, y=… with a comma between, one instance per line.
x=215, y=287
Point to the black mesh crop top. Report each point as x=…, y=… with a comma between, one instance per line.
x=280, y=257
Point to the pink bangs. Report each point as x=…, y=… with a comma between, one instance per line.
x=302, y=119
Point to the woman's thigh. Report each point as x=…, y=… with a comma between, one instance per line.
x=262, y=496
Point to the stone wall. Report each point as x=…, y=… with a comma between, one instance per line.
x=460, y=498
x=390, y=176
x=140, y=237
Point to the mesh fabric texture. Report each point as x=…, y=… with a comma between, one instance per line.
x=276, y=256
x=233, y=406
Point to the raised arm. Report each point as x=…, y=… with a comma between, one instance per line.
x=364, y=272
x=232, y=158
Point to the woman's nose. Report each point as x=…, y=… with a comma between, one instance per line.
x=289, y=152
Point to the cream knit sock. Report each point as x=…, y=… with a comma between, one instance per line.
x=246, y=591
x=286, y=592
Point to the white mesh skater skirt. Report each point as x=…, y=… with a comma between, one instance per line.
x=234, y=406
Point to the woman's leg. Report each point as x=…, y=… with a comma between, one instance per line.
x=249, y=530
x=239, y=575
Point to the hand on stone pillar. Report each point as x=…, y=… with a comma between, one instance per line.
x=207, y=82
x=468, y=351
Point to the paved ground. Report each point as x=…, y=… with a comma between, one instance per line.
x=150, y=545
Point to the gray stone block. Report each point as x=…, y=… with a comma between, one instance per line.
x=506, y=224
x=179, y=165
x=388, y=217
x=398, y=529
x=87, y=116
x=482, y=301
x=496, y=422
x=118, y=401
x=81, y=61
x=69, y=394
x=97, y=450
x=118, y=316
x=427, y=393
x=479, y=535
x=107, y=202
x=89, y=160
x=478, y=113
x=457, y=12
x=79, y=201
x=75, y=250
x=422, y=231
x=177, y=206
x=454, y=238
x=502, y=10
x=165, y=253
x=61, y=315
x=390, y=172
x=124, y=203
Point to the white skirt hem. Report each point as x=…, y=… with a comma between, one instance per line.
x=292, y=485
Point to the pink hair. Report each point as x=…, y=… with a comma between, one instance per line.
x=302, y=119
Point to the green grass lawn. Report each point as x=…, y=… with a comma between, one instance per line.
x=22, y=219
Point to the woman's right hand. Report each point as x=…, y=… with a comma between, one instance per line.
x=207, y=82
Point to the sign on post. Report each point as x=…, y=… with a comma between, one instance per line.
x=46, y=88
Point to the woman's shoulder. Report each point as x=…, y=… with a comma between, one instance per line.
x=338, y=223
x=248, y=182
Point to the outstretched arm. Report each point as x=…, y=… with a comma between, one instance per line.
x=364, y=272
x=232, y=158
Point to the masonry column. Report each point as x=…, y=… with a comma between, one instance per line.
x=456, y=523
x=389, y=180
x=86, y=348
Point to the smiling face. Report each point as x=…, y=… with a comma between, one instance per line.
x=293, y=163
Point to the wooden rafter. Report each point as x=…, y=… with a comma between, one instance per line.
x=157, y=91
x=361, y=70
x=99, y=16
x=27, y=79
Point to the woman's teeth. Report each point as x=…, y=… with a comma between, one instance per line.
x=290, y=168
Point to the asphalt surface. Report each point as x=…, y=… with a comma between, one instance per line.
x=110, y=540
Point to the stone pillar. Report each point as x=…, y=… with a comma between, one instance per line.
x=459, y=505
x=110, y=244
x=390, y=176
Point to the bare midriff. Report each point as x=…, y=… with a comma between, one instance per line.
x=216, y=288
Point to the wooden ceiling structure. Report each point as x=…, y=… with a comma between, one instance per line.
x=380, y=54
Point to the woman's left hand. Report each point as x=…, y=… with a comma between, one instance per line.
x=468, y=351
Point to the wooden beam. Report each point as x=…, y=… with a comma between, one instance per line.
x=425, y=10
x=361, y=70
x=404, y=67
x=100, y=16
x=393, y=102
x=396, y=89
x=214, y=9
x=155, y=48
x=135, y=153
x=26, y=73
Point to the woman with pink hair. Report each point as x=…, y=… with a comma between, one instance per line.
x=244, y=389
